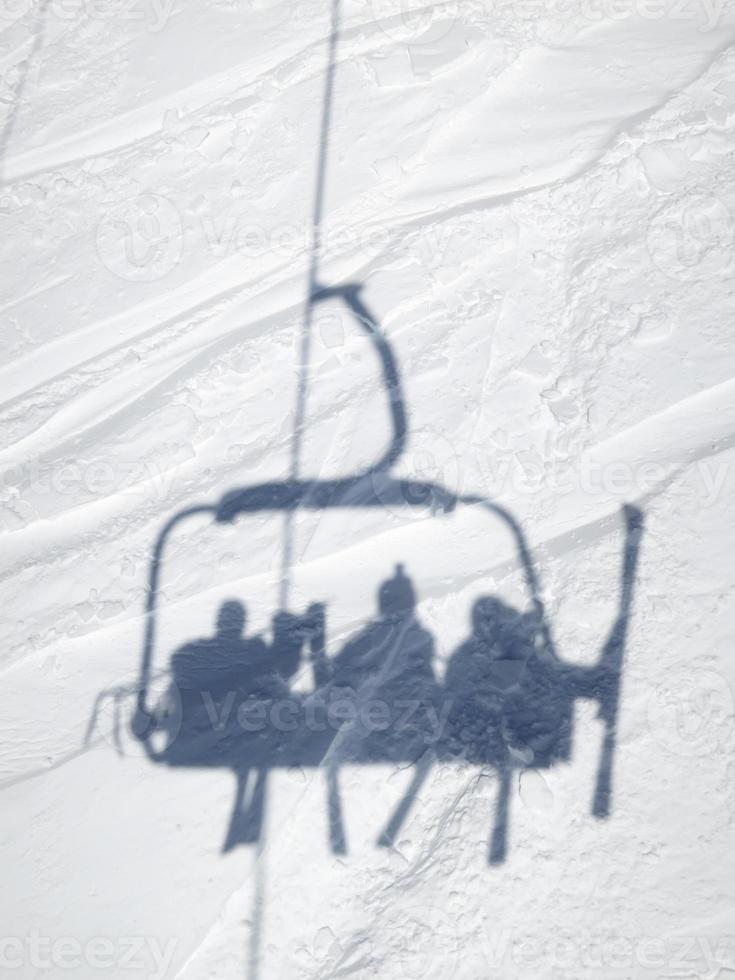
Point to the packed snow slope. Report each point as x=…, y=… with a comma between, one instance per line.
x=537, y=203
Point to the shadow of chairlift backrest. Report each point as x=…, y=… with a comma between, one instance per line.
x=505, y=702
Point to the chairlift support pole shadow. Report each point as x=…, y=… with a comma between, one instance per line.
x=312, y=288
x=335, y=807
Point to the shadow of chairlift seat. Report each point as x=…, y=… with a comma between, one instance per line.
x=518, y=715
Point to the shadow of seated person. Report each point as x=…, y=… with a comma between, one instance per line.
x=206, y=672
x=388, y=670
x=391, y=635
x=511, y=699
x=481, y=684
x=539, y=714
x=509, y=706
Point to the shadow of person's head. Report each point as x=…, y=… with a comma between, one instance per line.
x=396, y=596
x=496, y=624
x=231, y=620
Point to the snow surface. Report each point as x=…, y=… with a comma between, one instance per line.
x=537, y=201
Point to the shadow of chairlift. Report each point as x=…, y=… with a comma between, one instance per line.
x=177, y=737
